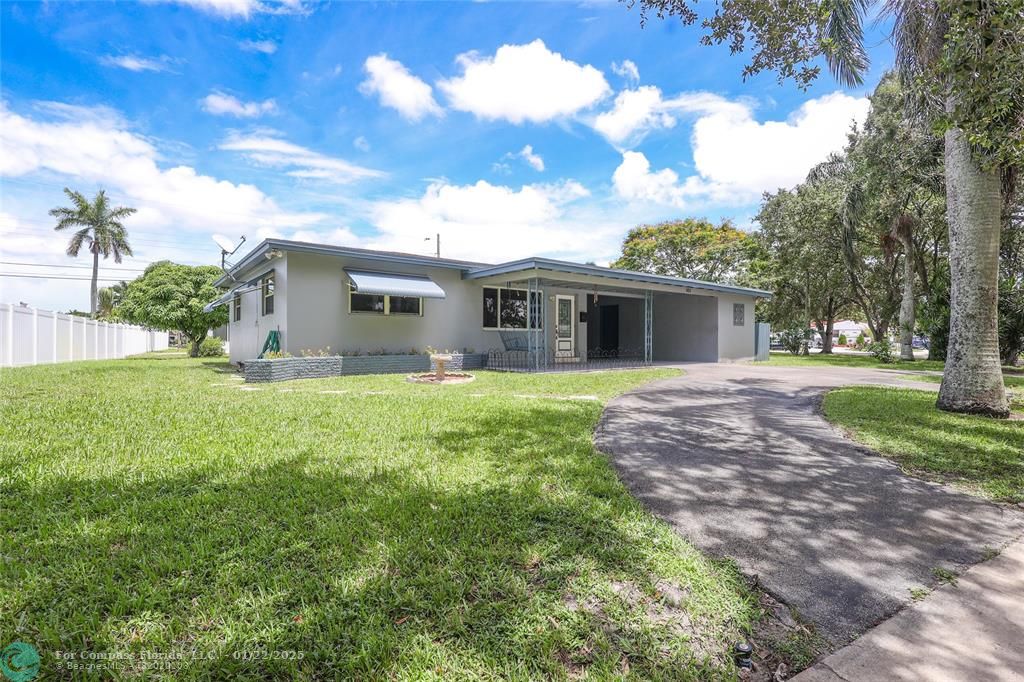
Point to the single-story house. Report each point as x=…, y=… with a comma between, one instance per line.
x=358, y=301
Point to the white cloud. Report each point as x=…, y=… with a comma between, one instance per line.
x=135, y=63
x=97, y=147
x=266, y=150
x=633, y=180
x=638, y=112
x=733, y=149
x=361, y=143
x=523, y=83
x=264, y=46
x=244, y=9
x=527, y=154
x=627, y=69
x=735, y=156
x=533, y=159
x=219, y=103
x=398, y=88
x=492, y=223
x=340, y=236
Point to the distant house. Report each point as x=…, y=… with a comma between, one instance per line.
x=350, y=299
x=851, y=329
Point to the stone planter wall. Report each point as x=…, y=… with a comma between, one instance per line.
x=462, y=361
x=285, y=369
x=385, y=364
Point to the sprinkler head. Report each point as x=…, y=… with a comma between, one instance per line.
x=741, y=653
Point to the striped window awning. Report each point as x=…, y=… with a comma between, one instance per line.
x=393, y=284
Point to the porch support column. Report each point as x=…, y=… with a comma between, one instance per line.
x=648, y=326
x=533, y=320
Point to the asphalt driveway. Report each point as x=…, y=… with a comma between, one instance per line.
x=737, y=459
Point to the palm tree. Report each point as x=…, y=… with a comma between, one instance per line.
x=108, y=298
x=99, y=229
x=972, y=380
x=963, y=54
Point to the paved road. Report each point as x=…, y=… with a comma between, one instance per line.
x=737, y=459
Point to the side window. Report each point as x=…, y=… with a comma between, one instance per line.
x=490, y=308
x=238, y=307
x=738, y=314
x=268, y=294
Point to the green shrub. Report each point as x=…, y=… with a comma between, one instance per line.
x=842, y=339
x=860, y=341
x=211, y=347
x=882, y=351
x=793, y=339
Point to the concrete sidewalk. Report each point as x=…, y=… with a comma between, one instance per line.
x=973, y=630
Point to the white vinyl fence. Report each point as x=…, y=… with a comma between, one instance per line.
x=29, y=336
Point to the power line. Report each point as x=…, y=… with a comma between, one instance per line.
x=55, y=276
x=57, y=265
x=133, y=240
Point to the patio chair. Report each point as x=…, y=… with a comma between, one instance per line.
x=514, y=340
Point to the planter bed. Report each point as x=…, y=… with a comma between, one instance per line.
x=286, y=369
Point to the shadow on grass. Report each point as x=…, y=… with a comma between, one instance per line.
x=380, y=571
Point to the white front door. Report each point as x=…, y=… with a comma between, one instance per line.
x=565, y=330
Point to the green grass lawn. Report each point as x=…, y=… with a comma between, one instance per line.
x=785, y=359
x=378, y=530
x=1014, y=383
x=984, y=455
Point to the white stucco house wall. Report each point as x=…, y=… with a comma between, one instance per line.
x=357, y=300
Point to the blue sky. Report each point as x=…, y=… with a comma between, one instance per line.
x=512, y=129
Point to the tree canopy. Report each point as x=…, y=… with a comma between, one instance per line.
x=171, y=296
x=693, y=248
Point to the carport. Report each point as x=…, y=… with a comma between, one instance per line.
x=581, y=316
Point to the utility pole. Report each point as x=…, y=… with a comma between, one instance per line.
x=437, y=243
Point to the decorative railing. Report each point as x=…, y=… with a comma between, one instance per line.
x=539, y=361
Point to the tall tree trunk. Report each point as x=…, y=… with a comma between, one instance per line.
x=973, y=380
x=907, y=304
x=95, y=276
x=826, y=337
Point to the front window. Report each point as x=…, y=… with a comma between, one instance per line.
x=404, y=305
x=513, y=308
x=505, y=308
x=237, y=303
x=383, y=304
x=268, y=294
x=366, y=303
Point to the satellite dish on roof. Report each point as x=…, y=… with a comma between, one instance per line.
x=227, y=248
x=224, y=243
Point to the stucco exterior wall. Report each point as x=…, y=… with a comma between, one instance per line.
x=248, y=334
x=685, y=328
x=319, y=310
x=735, y=342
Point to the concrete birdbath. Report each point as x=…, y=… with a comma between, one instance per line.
x=440, y=360
x=440, y=376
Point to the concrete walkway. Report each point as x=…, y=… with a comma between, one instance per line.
x=973, y=630
x=737, y=459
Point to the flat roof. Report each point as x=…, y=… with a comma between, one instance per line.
x=551, y=265
x=477, y=270
x=333, y=250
